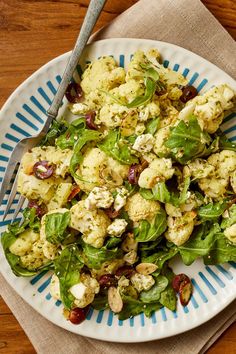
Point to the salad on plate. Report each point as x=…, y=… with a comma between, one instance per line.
x=142, y=174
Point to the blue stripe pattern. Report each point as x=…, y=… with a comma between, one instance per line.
x=30, y=121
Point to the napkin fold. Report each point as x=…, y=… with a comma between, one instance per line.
x=189, y=24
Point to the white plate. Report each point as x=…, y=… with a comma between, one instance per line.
x=23, y=114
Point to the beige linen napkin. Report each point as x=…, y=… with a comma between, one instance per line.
x=189, y=24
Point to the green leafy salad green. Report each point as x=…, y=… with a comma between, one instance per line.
x=139, y=176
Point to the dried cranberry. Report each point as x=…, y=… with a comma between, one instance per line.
x=112, y=213
x=43, y=170
x=40, y=209
x=74, y=192
x=78, y=315
x=107, y=280
x=178, y=280
x=74, y=92
x=126, y=270
x=89, y=118
x=189, y=92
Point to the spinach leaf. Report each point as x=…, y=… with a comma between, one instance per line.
x=146, y=193
x=133, y=307
x=168, y=296
x=55, y=130
x=187, y=140
x=100, y=301
x=116, y=147
x=212, y=211
x=200, y=243
x=68, y=267
x=231, y=219
x=222, y=251
x=95, y=257
x=55, y=227
x=152, y=126
x=154, y=294
x=113, y=242
x=77, y=157
x=146, y=232
x=70, y=136
x=150, y=88
x=161, y=193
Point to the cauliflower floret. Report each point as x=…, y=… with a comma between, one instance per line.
x=60, y=158
x=224, y=161
x=158, y=170
x=142, y=282
x=151, y=110
x=180, y=228
x=128, y=91
x=24, y=242
x=60, y=197
x=230, y=233
x=140, y=128
x=123, y=282
x=160, y=137
x=55, y=287
x=50, y=250
x=209, y=108
x=102, y=74
x=97, y=169
x=139, y=208
x=99, y=197
x=120, y=198
x=129, y=243
x=198, y=168
x=85, y=291
x=79, y=108
x=92, y=224
x=172, y=210
x=111, y=115
x=144, y=143
x=117, y=227
x=33, y=188
x=213, y=187
x=233, y=181
x=35, y=258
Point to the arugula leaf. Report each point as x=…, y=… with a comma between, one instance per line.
x=161, y=193
x=212, y=211
x=55, y=227
x=146, y=232
x=133, y=307
x=95, y=257
x=113, y=242
x=224, y=142
x=222, y=251
x=159, y=258
x=55, y=130
x=100, y=301
x=150, y=88
x=70, y=136
x=168, y=296
x=116, y=147
x=231, y=219
x=200, y=243
x=146, y=193
x=154, y=294
x=187, y=140
x=152, y=126
x=68, y=267
x=77, y=157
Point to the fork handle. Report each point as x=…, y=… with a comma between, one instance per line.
x=93, y=12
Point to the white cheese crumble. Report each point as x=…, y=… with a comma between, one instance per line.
x=144, y=143
x=117, y=227
x=120, y=198
x=99, y=197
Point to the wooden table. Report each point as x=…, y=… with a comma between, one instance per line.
x=32, y=33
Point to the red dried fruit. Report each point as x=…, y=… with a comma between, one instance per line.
x=178, y=280
x=43, y=169
x=185, y=292
x=189, y=92
x=89, y=118
x=111, y=213
x=73, y=193
x=78, y=315
x=135, y=171
x=125, y=270
x=74, y=92
x=107, y=280
x=40, y=209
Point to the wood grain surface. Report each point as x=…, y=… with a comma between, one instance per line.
x=32, y=32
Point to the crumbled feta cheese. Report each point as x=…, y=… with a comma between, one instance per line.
x=120, y=198
x=79, y=108
x=117, y=227
x=55, y=287
x=99, y=197
x=144, y=143
x=78, y=290
x=142, y=282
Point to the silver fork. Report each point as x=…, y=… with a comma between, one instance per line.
x=93, y=12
